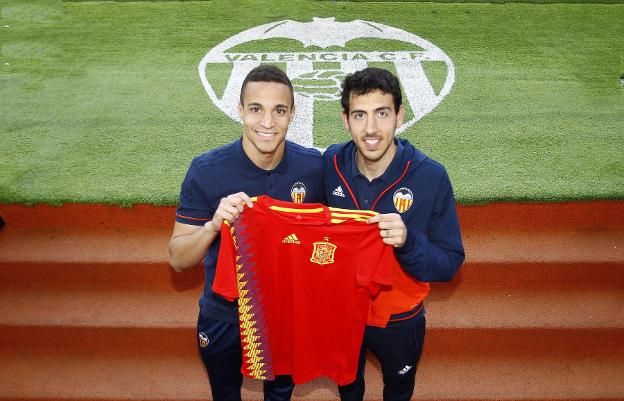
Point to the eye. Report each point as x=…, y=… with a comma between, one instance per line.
x=281, y=111
x=358, y=116
x=254, y=109
x=383, y=114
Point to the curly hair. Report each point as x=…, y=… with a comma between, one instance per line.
x=369, y=80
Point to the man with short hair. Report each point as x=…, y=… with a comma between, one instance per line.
x=418, y=217
x=216, y=187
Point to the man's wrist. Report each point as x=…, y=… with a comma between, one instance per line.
x=408, y=244
x=211, y=227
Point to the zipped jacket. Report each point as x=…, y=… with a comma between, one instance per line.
x=419, y=189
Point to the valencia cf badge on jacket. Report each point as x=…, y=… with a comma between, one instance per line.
x=203, y=340
x=298, y=192
x=403, y=199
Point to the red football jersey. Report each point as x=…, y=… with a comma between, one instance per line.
x=303, y=275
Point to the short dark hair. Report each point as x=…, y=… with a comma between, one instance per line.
x=267, y=73
x=369, y=80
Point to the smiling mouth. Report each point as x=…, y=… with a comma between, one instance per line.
x=372, y=143
x=266, y=134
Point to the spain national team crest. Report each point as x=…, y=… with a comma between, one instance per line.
x=298, y=192
x=403, y=199
x=323, y=252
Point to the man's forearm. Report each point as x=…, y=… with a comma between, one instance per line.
x=187, y=250
x=429, y=262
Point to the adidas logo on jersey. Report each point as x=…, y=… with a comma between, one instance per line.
x=291, y=239
x=339, y=192
x=405, y=370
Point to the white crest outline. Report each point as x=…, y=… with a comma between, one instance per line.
x=422, y=98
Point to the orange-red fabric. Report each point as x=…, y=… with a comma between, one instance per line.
x=303, y=275
x=406, y=294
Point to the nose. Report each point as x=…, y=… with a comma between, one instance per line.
x=267, y=120
x=371, y=126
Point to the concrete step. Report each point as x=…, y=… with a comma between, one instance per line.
x=110, y=245
x=530, y=216
x=590, y=232
x=145, y=363
x=497, y=295
x=531, y=295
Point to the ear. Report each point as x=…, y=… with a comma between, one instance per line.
x=292, y=114
x=345, y=120
x=400, y=116
x=240, y=110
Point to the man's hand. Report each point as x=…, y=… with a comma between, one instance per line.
x=391, y=228
x=229, y=209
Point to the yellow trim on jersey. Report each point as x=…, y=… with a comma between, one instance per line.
x=338, y=215
x=352, y=215
x=295, y=210
x=350, y=219
x=353, y=211
x=343, y=220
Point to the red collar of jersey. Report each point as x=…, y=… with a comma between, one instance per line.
x=316, y=214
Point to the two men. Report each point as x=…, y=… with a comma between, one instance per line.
x=374, y=171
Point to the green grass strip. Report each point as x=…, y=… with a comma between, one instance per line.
x=101, y=101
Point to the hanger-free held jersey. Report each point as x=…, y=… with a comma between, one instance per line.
x=228, y=170
x=304, y=275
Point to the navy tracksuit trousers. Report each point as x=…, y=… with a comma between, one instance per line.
x=220, y=349
x=397, y=347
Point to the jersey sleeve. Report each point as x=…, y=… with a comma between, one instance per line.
x=193, y=207
x=224, y=282
x=375, y=262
